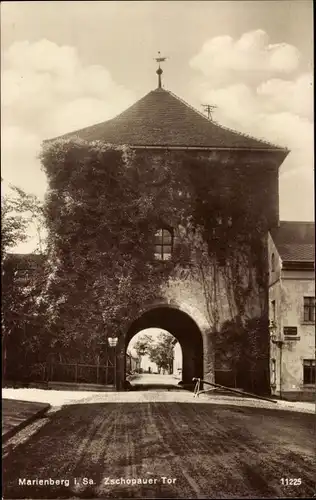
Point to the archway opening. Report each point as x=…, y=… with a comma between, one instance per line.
x=183, y=328
x=154, y=358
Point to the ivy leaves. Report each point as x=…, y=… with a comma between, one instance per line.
x=103, y=208
x=101, y=229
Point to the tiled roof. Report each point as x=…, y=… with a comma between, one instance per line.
x=295, y=241
x=162, y=119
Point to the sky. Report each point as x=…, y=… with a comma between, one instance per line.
x=66, y=65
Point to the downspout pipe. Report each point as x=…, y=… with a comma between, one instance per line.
x=281, y=350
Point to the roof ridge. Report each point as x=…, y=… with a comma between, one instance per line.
x=188, y=105
x=242, y=134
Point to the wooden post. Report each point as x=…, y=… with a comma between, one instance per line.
x=4, y=359
x=76, y=373
x=280, y=348
x=115, y=374
x=243, y=393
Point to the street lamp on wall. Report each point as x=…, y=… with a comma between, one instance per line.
x=273, y=328
x=112, y=341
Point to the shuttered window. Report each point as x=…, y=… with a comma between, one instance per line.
x=309, y=371
x=309, y=309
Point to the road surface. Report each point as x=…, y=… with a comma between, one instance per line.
x=155, y=381
x=165, y=450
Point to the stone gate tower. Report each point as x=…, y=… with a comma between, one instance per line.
x=161, y=122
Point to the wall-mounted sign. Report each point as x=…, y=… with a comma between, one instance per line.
x=290, y=331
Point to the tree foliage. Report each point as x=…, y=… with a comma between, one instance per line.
x=160, y=352
x=100, y=243
x=13, y=224
x=23, y=340
x=19, y=210
x=143, y=345
x=22, y=283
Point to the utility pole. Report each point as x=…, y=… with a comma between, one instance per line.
x=209, y=108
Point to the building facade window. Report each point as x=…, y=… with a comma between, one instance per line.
x=309, y=309
x=163, y=244
x=309, y=371
x=272, y=263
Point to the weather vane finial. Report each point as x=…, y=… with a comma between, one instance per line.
x=159, y=71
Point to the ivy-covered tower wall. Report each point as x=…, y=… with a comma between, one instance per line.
x=161, y=167
x=104, y=206
x=223, y=203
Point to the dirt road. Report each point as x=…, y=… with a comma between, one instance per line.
x=165, y=449
x=153, y=381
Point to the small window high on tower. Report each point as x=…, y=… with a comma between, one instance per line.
x=163, y=244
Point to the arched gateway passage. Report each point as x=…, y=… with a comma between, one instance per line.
x=183, y=328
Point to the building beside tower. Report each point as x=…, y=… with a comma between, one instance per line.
x=292, y=309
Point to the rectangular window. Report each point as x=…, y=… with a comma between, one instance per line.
x=158, y=250
x=309, y=371
x=167, y=237
x=290, y=331
x=309, y=309
x=163, y=244
x=167, y=250
x=158, y=237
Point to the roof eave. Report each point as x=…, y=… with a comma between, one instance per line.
x=299, y=265
x=282, y=151
x=212, y=148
